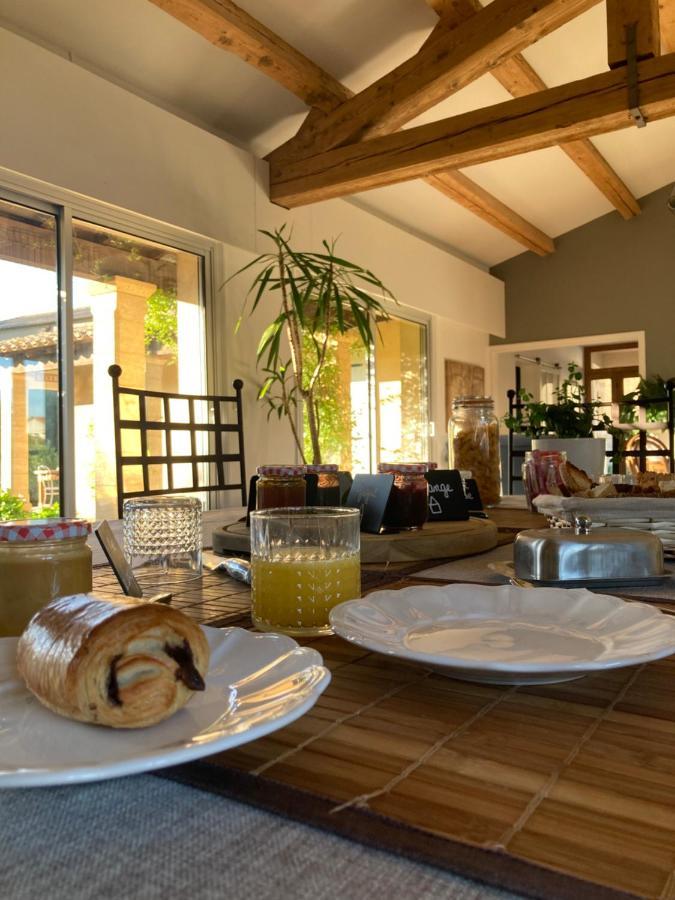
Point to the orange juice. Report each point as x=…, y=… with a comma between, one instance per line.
x=295, y=591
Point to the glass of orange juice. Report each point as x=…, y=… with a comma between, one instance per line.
x=304, y=561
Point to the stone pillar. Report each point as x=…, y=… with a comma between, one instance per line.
x=19, y=483
x=6, y=391
x=118, y=310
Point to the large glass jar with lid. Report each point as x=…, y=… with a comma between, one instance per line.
x=473, y=444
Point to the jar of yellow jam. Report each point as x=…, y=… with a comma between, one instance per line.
x=40, y=559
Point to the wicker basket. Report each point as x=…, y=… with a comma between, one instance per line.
x=654, y=514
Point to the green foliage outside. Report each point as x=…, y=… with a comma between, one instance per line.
x=333, y=405
x=161, y=320
x=648, y=394
x=571, y=416
x=11, y=506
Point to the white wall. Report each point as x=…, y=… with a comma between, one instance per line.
x=74, y=130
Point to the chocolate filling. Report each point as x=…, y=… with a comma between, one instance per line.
x=186, y=671
x=112, y=686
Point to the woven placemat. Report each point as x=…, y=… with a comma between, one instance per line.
x=564, y=792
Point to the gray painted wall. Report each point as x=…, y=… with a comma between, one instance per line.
x=608, y=275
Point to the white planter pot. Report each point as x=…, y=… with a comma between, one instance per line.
x=585, y=453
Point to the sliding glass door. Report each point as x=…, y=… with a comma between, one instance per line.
x=76, y=297
x=29, y=361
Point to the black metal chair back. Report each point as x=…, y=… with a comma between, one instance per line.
x=206, y=439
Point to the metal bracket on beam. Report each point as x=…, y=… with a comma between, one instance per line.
x=632, y=73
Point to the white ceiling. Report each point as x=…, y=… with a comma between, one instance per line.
x=137, y=45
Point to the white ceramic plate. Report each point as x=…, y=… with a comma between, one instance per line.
x=256, y=684
x=507, y=634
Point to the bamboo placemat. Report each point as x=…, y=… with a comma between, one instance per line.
x=559, y=791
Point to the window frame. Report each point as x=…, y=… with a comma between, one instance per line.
x=65, y=206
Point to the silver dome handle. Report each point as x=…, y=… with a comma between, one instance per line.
x=582, y=524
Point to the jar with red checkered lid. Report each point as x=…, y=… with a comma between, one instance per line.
x=40, y=560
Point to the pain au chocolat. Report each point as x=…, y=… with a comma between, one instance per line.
x=123, y=663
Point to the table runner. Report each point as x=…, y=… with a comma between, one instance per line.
x=561, y=791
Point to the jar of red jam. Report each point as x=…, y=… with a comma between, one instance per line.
x=328, y=487
x=280, y=486
x=408, y=504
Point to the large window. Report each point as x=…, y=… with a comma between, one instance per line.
x=76, y=297
x=375, y=405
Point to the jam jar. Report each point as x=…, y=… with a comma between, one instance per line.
x=40, y=560
x=473, y=441
x=408, y=505
x=328, y=487
x=280, y=486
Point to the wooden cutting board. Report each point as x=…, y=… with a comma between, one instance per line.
x=437, y=540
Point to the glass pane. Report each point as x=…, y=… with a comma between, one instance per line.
x=29, y=377
x=401, y=401
x=344, y=404
x=601, y=389
x=140, y=304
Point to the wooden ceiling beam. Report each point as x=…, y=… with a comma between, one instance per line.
x=477, y=200
x=569, y=112
x=643, y=15
x=456, y=57
x=667, y=25
x=229, y=27
x=518, y=77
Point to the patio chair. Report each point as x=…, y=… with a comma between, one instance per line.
x=47, y=485
x=159, y=425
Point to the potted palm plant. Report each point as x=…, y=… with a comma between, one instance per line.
x=568, y=424
x=316, y=296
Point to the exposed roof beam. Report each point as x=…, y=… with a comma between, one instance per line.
x=229, y=27
x=456, y=57
x=476, y=199
x=667, y=24
x=520, y=79
x=643, y=16
x=573, y=111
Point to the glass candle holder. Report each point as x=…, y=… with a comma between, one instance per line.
x=163, y=538
x=304, y=561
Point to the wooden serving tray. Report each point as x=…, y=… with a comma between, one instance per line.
x=437, y=540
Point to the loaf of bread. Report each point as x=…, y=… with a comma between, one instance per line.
x=124, y=663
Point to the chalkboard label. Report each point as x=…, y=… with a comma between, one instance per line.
x=446, y=496
x=472, y=494
x=370, y=494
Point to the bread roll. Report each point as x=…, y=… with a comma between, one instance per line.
x=124, y=663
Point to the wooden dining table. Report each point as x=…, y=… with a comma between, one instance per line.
x=400, y=782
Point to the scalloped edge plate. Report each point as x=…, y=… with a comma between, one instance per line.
x=507, y=634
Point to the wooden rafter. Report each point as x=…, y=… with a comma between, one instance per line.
x=643, y=16
x=476, y=199
x=444, y=65
x=518, y=77
x=667, y=25
x=227, y=26
x=573, y=111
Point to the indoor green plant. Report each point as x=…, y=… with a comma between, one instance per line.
x=317, y=295
x=567, y=424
